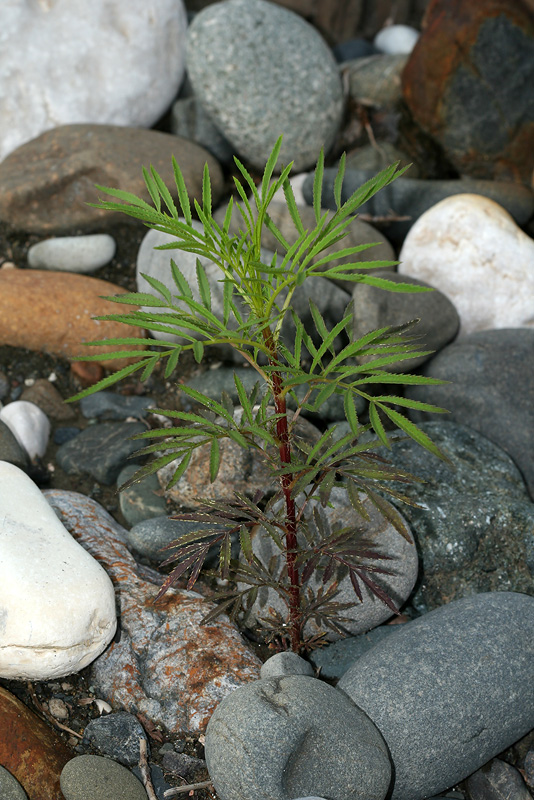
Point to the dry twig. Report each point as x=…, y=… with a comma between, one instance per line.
x=145, y=769
x=191, y=787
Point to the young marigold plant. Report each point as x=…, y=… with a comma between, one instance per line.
x=257, y=299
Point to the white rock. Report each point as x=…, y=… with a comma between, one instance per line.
x=470, y=248
x=104, y=61
x=73, y=253
x=57, y=604
x=29, y=425
x=396, y=39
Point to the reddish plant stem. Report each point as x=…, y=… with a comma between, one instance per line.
x=284, y=446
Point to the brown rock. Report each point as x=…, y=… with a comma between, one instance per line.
x=47, y=183
x=52, y=312
x=164, y=665
x=468, y=83
x=31, y=751
x=45, y=395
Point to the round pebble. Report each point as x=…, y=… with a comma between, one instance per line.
x=97, y=778
x=29, y=425
x=396, y=39
x=10, y=788
x=73, y=253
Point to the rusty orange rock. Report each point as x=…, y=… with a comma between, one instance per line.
x=30, y=750
x=52, y=312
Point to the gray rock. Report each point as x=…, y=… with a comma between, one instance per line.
x=10, y=788
x=44, y=394
x=375, y=308
x=81, y=254
x=412, y=197
x=11, y=450
x=378, y=156
x=481, y=369
x=336, y=658
x=4, y=385
x=495, y=781
x=450, y=690
x=402, y=564
x=376, y=79
x=110, y=405
x=187, y=767
x=149, y=537
x=352, y=49
x=474, y=526
x=141, y=500
x=100, y=776
x=190, y=120
x=286, y=663
x=281, y=738
x=260, y=70
x=116, y=735
x=100, y=450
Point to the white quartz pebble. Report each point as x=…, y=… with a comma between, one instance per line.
x=73, y=253
x=396, y=39
x=57, y=604
x=29, y=425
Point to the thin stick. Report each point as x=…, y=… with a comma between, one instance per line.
x=145, y=769
x=50, y=717
x=191, y=787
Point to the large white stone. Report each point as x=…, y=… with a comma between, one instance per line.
x=470, y=248
x=57, y=604
x=29, y=425
x=104, y=61
x=73, y=253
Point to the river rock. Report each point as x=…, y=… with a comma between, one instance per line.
x=150, y=536
x=116, y=735
x=65, y=81
x=11, y=450
x=496, y=780
x=375, y=308
x=105, y=778
x=73, y=253
x=450, y=690
x=101, y=450
x=411, y=197
x=285, y=663
x=376, y=80
x=467, y=84
x=47, y=184
x=141, y=500
x=164, y=665
x=58, y=611
x=480, y=369
x=31, y=751
x=488, y=275
x=263, y=742
x=259, y=70
x=379, y=156
x=382, y=537
x=396, y=39
x=59, y=327
x=10, y=788
x=190, y=120
x=44, y=394
x=111, y=405
x=29, y=425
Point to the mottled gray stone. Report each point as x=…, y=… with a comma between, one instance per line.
x=187, y=767
x=336, y=658
x=141, y=500
x=150, y=536
x=260, y=70
x=474, y=526
x=190, y=120
x=10, y=788
x=110, y=405
x=375, y=308
x=286, y=663
x=100, y=450
x=105, y=778
x=491, y=385
x=450, y=690
x=495, y=781
x=376, y=79
x=116, y=735
x=281, y=738
x=412, y=197
x=11, y=450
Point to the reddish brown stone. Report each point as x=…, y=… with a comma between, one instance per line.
x=30, y=750
x=47, y=183
x=87, y=372
x=468, y=83
x=52, y=312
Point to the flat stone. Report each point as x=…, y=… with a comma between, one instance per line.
x=141, y=500
x=29, y=425
x=33, y=752
x=150, y=536
x=480, y=369
x=467, y=84
x=59, y=328
x=375, y=308
x=58, y=612
x=450, y=690
x=10, y=788
x=411, y=197
x=45, y=395
x=496, y=780
x=64, y=80
x=165, y=665
x=102, y=777
x=48, y=183
x=79, y=254
x=282, y=738
x=402, y=563
x=189, y=768
x=100, y=450
x=110, y=405
x=116, y=735
x=260, y=70
x=488, y=275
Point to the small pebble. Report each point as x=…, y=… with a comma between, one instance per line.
x=396, y=39
x=73, y=253
x=58, y=708
x=29, y=425
x=286, y=663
